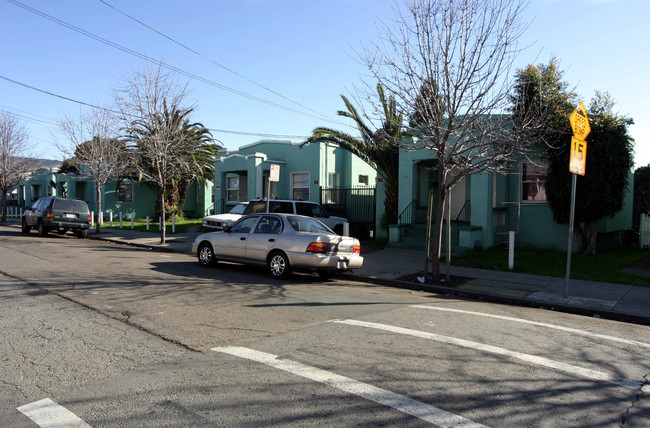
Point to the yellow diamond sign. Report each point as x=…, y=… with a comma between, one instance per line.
x=580, y=122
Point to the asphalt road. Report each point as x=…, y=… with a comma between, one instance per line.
x=115, y=336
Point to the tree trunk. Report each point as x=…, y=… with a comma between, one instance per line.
x=162, y=215
x=437, y=236
x=182, y=194
x=4, y=206
x=391, y=201
x=591, y=233
x=98, y=195
x=586, y=237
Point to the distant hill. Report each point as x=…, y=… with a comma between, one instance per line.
x=46, y=163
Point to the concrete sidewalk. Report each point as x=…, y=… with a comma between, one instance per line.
x=607, y=300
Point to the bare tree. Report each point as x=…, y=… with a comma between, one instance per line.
x=152, y=109
x=447, y=63
x=95, y=149
x=16, y=157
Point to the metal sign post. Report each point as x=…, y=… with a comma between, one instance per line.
x=273, y=176
x=577, y=161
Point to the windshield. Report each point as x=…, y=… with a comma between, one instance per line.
x=304, y=224
x=237, y=209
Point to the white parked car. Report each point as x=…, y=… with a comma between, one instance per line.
x=282, y=243
x=306, y=208
x=218, y=221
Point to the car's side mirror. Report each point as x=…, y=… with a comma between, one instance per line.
x=226, y=229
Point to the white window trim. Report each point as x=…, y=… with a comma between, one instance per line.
x=308, y=183
x=367, y=183
x=522, y=182
x=229, y=189
x=129, y=188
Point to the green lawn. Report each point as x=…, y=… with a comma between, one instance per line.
x=140, y=224
x=605, y=266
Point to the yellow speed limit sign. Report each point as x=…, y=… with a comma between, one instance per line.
x=578, y=156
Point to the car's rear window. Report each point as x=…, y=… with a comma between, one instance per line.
x=275, y=207
x=70, y=205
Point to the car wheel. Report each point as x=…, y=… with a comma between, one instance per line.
x=25, y=228
x=278, y=265
x=42, y=230
x=206, y=255
x=82, y=233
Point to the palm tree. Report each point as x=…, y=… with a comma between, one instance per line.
x=199, y=152
x=379, y=148
x=170, y=149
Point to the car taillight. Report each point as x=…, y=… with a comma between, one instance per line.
x=356, y=249
x=89, y=219
x=317, y=247
x=49, y=214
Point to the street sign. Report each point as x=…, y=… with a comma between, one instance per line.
x=580, y=122
x=580, y=125
x=581, y=128
x=275, y=173
x=578, y=156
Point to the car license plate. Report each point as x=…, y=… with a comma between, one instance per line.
x=70, y=216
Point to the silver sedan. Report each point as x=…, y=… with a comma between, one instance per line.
x=282, y=243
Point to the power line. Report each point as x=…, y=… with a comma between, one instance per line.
x=43, y=120
x=260, y=134
x=157, y=62
x=56, y=95
x=214, y=62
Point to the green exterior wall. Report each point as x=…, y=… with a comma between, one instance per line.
x=143, y=203
x=496, y=205
x=253, y=162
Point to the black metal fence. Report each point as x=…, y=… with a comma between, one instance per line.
x=357, y=204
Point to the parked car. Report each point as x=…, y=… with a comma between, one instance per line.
x=281, y=242
x=306, y=208
x=216, y=222
x=57, y=214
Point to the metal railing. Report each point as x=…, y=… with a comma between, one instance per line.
x=465, y=213
x=406, y=218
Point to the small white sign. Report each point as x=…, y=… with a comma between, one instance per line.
x=275, y=173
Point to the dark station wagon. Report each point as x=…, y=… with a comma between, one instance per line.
x=57, y=214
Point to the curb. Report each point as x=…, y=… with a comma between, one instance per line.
x=507, y=300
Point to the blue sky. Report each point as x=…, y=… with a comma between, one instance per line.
x=305, y=50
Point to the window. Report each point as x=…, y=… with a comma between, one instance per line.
x=334, y=191
x=310, y=210
x=269, y=225
x=232, y=189
x=300, y=186
x=533, y=180
x=363, y=179
x=245, y=225
x=125, y=193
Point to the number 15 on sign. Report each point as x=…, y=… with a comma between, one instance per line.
x=578, y=156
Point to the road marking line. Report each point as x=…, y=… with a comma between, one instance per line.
x=540, y=324
x=404, y=404
x=48, y=414
x=546, y=362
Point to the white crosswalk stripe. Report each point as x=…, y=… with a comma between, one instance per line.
x=539, y=324
x=399, y=402
x=546, y=362
x=48, y=414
